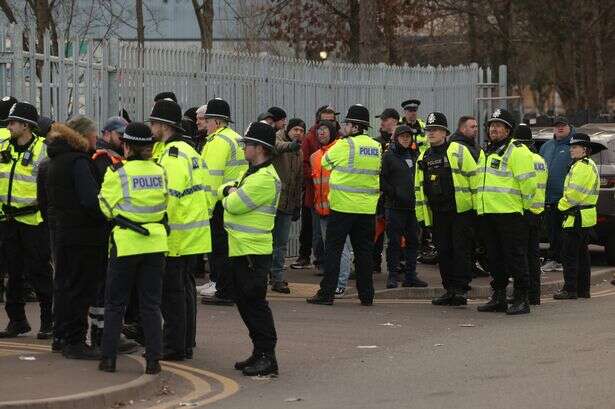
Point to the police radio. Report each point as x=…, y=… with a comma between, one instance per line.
x=5, y=156
x=27, y=158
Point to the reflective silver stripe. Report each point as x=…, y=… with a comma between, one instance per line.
x=463, y=189
x=216, y=172
x=419, y=203
x=246, y=199
x=494, y=189
x=16, y=176
x=236, y=162
x=246, y=229
x=498, y=172
x=525, y=176
x=581, y=189
x=350, y=152
x=190, y=226
x=460, y=156
x=352, y=189
x=17, y=199
x=538, y=205
x=356, y=171
x=121, y=172
x=462, y=173
x=232, y=146
x=266, y=209
x=541, y=185
x=128, y=207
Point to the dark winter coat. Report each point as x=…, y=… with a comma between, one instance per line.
x=397, y=177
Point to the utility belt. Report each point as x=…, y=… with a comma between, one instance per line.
x=137, y=227
x=11, y=212
x=575, y=211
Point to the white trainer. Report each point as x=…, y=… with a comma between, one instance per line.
x=208, y=289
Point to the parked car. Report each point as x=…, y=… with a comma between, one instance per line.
x=603, y=133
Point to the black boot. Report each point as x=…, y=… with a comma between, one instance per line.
x=46, y=331
x=81, y=351
x=107, y=365
x=15, y=328
x=57, y=345
x=152, y=367
x=320, y=299
x=243, y=364
x=458, y=299
x=444, y=299
x=497, y=302
x=565, y=295
x=264, y=364
x=520, y=305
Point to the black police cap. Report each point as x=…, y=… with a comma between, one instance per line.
x=6, y=104
x=165, y=95
x=218, y=108
x=168, y=112
x=523, y=132
x=357, y=114
x=260, y=133
x=137, y=133
x=503, y=116
x=24, y=112
x=411, y=104
x=437, y=120
x=389, y=113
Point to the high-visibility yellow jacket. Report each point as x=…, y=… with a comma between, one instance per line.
x=464, y=169
x=538, y=200
x=188, y=208
x=136, y=190
x=224, y=160
x=249, y=212
x=18, y=172
x=4, y=134
x=507, y=180
x=354, y=184
x=157, y=150
x=581, y=189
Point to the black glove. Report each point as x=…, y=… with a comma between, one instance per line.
x=295, y=146
x=296, y=214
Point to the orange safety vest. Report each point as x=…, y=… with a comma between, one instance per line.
x=320, y=179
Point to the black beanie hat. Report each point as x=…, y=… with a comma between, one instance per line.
x=295, y=122
x=277, y=112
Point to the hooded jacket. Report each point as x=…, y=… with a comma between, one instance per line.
x=289, y=166
x=557, y=155
x=397, y=177
x=72, y=190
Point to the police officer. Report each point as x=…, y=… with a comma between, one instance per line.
x=533, y=215
x=225, y=162
x=445, y=181
x=25, y=237
x=135, y=191
x=249, y=212
x=507, y=186
x=579, y=207
x=411, y=119
x=354, y=184
x=188, y=216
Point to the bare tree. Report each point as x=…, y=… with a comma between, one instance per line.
x=204, y=11
x=140, y=25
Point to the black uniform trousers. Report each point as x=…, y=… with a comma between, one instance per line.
x=146, y=271
x=505, y=237
x=218, y=258
x=533, y=255
x=360, y=228
x=576, y=260
x=78, y=272
x=191, y=301
x=26, y=256
x=453, y=236
x=250, y=275
x=554, y=218
x=174, y=304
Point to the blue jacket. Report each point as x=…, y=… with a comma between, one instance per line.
x=557, y=155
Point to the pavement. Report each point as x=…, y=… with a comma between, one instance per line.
x=402, y=352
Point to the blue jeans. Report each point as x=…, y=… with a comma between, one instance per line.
x=281, y=231
x=346, y=259
x=317, y=239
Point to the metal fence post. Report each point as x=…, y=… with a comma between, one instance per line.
x=503, y=88
x=17, y=74
x=110, y=71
